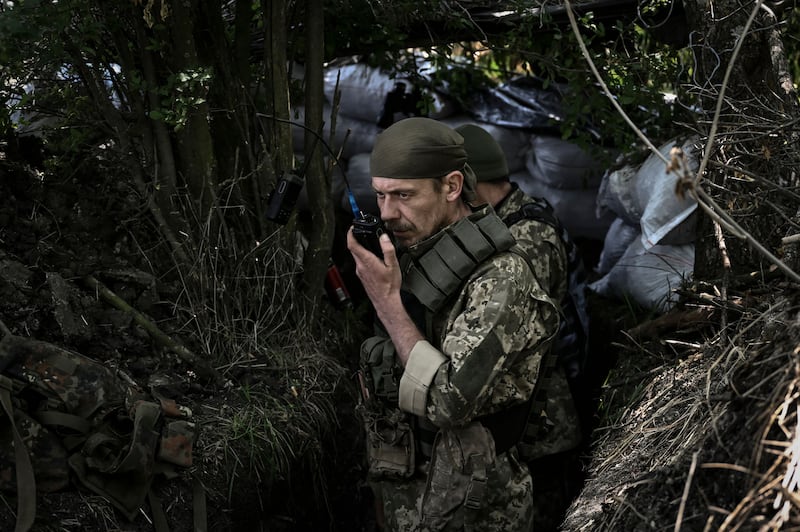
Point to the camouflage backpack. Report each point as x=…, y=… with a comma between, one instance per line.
x=67, y=418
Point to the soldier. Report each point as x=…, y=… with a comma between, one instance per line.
x=553, y=455
x=463, y=325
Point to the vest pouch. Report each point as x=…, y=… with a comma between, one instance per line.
x=390, y=443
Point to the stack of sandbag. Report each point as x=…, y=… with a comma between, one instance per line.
x=648, y=251
x=367, y=101
x=567, y=176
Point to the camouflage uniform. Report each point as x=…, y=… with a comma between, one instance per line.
x=552, y=481
x=482, y=356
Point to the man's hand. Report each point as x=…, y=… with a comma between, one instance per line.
x=382, y=279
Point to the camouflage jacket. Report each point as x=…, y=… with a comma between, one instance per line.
x=559, y=428
x=483, y=349
x=485, y=343
x=541, y=243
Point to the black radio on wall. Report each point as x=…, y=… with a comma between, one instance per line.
x=283, y=198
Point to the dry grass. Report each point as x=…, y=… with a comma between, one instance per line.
x=708, y=441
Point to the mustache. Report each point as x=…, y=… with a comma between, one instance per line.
x=395, y=227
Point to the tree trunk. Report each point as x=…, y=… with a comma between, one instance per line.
x=194, y=143
x=317, y=182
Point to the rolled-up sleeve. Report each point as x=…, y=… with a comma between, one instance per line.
x=423, y=363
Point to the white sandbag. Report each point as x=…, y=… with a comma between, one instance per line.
x=360, y=140
x=646, y=196
x=618, y=238
x=649, y=277
x=664, y=210
x=514, y=142
x=559, y=163
x=575, y=208
x=358, y=175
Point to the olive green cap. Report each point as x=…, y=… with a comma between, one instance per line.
x=484, y=154
x=420, y=148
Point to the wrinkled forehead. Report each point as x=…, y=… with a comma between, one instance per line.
x=391, y=185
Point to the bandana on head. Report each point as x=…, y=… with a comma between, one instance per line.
x=419, y=148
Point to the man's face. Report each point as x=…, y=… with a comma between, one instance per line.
x=413, y=209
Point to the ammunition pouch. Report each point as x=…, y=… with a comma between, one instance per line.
x=436, y=269
x=379, y=369
x=390, y=442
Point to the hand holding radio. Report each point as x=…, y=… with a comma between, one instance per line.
x=367, y=229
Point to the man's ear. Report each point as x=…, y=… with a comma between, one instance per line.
x=453, y=183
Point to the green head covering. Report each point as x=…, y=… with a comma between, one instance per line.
x=484, y=154
x=419, y=148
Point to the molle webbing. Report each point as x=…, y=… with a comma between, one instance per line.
x=441, y=270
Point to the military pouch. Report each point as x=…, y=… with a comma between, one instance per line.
x=390, y=443
x=379, y=370
x=455, y=492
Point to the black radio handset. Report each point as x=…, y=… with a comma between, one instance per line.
x=283, y=197
x=367, y=228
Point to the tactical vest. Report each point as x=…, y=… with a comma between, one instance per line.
x=433, y=275
x=67, y=415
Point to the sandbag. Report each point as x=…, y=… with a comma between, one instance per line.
x=361, y=138
x=514, y=142
x=646, y=195
x=559, y=163
x=648, y=276
x=373, y=95
x=575, y=208
x=618, y=238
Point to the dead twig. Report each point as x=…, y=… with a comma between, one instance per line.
x=685, y=495
x=201, y=367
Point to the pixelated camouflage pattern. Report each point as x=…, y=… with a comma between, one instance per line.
x=542, y=244
x=506, y=505
x=494, y=334
x=48, y=455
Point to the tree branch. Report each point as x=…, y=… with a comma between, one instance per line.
x=200, y=366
